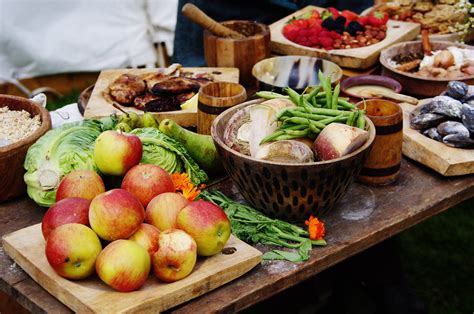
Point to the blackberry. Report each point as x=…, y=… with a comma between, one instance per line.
x=354, y=27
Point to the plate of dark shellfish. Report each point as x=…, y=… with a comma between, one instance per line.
x=439, y=132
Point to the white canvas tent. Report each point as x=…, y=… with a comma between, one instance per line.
x=39, y=37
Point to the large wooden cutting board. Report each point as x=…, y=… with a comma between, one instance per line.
x=26, y=248
x=357, y=58
x=446, y=160
x=98, y=106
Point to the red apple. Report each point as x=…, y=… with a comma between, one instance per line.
x=163, y=209
x=176, y=255
x=72, y=249
x=146, y=181
x=124, y=265
x=147, y=237
x=65, y=211
x=80, y=183
x=115, y=214
x=207, y=224
x=116, y=152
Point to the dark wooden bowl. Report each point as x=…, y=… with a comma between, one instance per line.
x=413, y=84
x=289, y=191
x=12, y=156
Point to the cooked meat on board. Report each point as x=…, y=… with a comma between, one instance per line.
x=126, y=87
x=156, y=92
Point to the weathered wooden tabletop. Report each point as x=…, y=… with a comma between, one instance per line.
x=365, y=217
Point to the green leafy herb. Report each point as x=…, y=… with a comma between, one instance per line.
x=250, y=225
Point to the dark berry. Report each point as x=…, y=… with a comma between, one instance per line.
x=329, y=24
x=354, y=27
x=340, y=20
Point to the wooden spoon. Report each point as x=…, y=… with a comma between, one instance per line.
x=195, y=14
x=367, y=92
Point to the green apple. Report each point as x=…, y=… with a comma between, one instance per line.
x=116, y=152
x=207, y=223
x=72, y=249
x=124, y=265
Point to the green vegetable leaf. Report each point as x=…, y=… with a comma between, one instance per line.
x=282, y=255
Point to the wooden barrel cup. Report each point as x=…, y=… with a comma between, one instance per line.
x=239, y=53
x=383, y=165
x=215, y=98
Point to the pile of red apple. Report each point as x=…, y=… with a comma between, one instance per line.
x=143, y=225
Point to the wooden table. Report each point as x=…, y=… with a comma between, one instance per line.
x=417, y=195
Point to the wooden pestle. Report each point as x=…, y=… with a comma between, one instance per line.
x=195, y=14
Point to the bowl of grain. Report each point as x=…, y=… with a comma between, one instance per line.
x=22, y=122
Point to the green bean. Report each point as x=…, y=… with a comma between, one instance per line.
x=283, y=113
x=350, y=119
x=271, y=95
x=317, y=124
x=335, y=96
x=308, y=115
x=300, y=133
x=294, y=127
x=293, y=95
x=305, y=104
x=314, y=91
x=326, y=88
x=286, y=137
x=272, y=136
x=346, y=104
x=331, y=119
x=314, y=129
x=329, y=112
x=361, y=120
x=297, y=120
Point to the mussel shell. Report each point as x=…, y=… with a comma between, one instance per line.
x=458, y=140
x=452, y=127
x=468, y=116
x=457, y=90
x=469, y=99
x=433, y=134
x=446, y=106
x=426, y=120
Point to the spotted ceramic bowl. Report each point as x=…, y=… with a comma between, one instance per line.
x=289, y=191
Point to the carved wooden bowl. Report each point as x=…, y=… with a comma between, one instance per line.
x=284, y=190
x=12, y=156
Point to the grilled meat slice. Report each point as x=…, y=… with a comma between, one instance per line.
x=154, y=78
x=175, y=86
x=125, y=88
x=185, y=96
x=154, y=103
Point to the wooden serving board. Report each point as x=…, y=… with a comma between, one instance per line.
x=98, y=106
x=356, y=58
x=446, y=160
x=26, y=248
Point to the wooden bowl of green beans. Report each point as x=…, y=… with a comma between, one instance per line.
x=293, y=191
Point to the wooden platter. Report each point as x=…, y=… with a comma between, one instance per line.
x=26, y=248
x=98, y=106
x=446, y=160
x=357, y=58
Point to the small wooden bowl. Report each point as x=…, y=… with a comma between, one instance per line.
x=413, y=84
x=368, y=80
x=286, y=190
x=12, y=156
x=297, y=72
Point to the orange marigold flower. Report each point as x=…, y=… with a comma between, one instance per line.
x=185, y=187
x=315, y=228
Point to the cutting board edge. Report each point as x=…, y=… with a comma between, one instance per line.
x=21, y=260
x=207, y=282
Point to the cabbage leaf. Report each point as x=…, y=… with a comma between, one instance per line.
x=57, y=153
x=161, y=150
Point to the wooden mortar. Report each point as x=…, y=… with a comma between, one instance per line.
x=239, y=53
